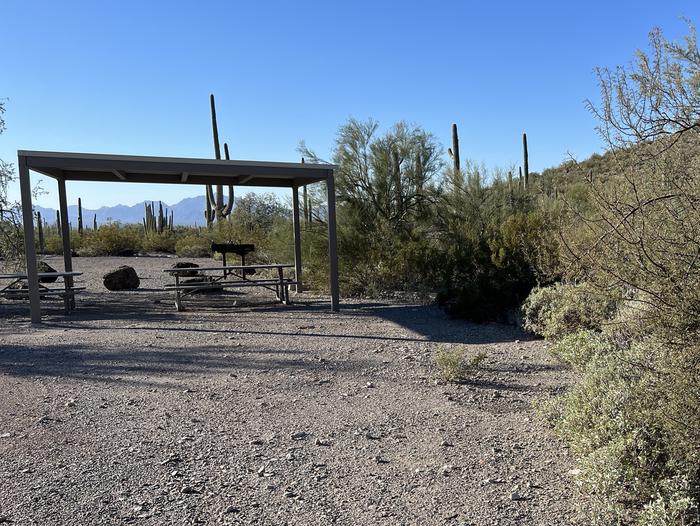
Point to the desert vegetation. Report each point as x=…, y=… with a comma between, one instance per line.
x=600, y=257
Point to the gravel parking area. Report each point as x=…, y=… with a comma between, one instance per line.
x=244, y=411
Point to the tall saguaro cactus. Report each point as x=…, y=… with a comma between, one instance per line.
x=216, y=209
x=80, y=217
x=454, y=151
x=526, y=168
x=40, y=230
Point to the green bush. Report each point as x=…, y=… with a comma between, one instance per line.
x=193, y=246
x=624, y=424
x=578, y=348
x=556, y=311
x=453, y=364
x=159, y=242
x=111, y=239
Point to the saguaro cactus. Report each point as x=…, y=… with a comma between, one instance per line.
x=58, y=222
x=40, y=231
x=157, y=223
x=216, y=209
x=80, y=217
x=526, y=168
x=161, y=217
x=94, y=222
x=454, y=151
x=149, y=220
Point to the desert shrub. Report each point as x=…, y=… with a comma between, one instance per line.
x=488, y=272
x=11, y=235
x=53, y=243
x=578, y=348
x=111, y=239
x=633, y=421
x=673, y=504
x=453, y=364
x=194, y=245
x=623, y=424
x=159, y=242
x=561, y=309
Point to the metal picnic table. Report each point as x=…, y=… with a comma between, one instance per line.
x=231, y=276
x=67, y=292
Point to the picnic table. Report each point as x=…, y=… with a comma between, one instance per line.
x=67, y=292
x=201, y=279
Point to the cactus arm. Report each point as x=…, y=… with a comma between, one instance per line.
x=210, y=197
x=226, y=211
x=229, y=206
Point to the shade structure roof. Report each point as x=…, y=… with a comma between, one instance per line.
x=69, y=166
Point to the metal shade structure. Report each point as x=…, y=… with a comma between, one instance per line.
x=65, y=166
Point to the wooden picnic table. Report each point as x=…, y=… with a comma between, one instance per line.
x=67, y=292
x=232, y=276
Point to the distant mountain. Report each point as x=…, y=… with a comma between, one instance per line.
x=189, y=211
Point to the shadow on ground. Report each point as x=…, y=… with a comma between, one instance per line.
x=141, y=366
x=156, y=312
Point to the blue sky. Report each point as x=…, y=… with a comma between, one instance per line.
x=134, y=77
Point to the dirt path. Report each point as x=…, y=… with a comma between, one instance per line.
x=263, y=414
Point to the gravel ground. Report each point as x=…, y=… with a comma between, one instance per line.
x=243, y=411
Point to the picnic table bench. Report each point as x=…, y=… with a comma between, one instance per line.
x=201, y=279
x=67, y=292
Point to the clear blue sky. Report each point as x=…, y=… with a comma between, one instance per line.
x=134, y=77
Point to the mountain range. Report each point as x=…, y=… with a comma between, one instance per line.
x=189, y=211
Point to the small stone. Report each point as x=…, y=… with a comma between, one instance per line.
x=446, y=469
x=324, y=443
x=188, y=490
x=172, y=459
x=5, y=435
x=323, y=381
x=369, y=385
x=445, y=443
x=70, y=403
x=299, y=435
x=256, y=442
x=231, y=509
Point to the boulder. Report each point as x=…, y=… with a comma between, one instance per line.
x=43, y=266
x=187, y=264
x=122, y=278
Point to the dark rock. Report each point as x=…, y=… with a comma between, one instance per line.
x=186, y=264
x=43, y=266
x=122, y=278
x=126, y=253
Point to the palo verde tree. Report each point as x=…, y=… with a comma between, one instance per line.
x=11, y=239
x=386, y=178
